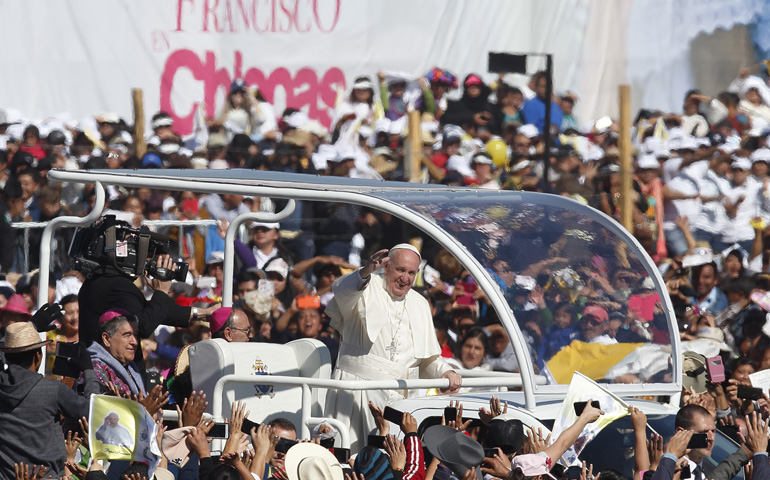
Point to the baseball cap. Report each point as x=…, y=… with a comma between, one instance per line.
x=482, y=158
x=152, y=160
x=279, y=266
x=267, y=225
x=237, y=85
x=648, y=161
x=473, y=80
x=597, y=312
x=741, y=163
x=532, y=465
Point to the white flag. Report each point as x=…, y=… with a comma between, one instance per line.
x=581, y=389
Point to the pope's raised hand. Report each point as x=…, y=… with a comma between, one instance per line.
x=374, y=262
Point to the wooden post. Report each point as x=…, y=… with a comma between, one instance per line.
x=626, y=169
x=412, y=167
x=139, y=143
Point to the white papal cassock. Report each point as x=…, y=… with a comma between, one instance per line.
x=383, y=337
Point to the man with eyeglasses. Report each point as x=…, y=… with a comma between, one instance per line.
x=230, y=324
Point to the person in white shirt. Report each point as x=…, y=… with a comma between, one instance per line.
x=760, y=167
x=681, y=197
x=708, y=225
x=693, y=123
x=264, y=240
x=743, y=201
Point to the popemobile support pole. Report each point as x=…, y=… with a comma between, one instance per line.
x=45, y=243
x=227, y=288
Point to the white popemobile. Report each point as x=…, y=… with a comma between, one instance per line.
x=478, y=227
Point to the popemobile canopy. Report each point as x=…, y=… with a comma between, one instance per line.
x=480, y=227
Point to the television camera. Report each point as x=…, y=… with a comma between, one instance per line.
x=114, y=243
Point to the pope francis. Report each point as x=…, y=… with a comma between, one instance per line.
x=387, y=333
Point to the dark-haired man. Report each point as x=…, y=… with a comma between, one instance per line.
x=709, y=297
x=31, y=406
x=690, y=420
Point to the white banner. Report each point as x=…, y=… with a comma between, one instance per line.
x=85, y=56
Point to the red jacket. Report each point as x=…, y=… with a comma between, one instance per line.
x=415, y=463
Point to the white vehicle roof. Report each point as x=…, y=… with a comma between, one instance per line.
x=478, y=227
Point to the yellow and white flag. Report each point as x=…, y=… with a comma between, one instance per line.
x=121, y=429
x=582, y=389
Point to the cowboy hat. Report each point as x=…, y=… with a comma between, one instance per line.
x=21, y=337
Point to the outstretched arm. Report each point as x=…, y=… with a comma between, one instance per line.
x=569, y=436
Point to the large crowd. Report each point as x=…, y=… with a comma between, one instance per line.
x=701, y=207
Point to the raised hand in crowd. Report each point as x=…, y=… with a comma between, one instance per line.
x=728, y=421
x=196, y=439
x=717, y=392
x=639, y=422
x=396, y=451
x=192, y=409
x=587, y=471
x=80, y=472
x=83, y=422
x=495, y=410
x=570, y=435
x=677, y=446
x=742, y=405
x=248, y=459
x=354, y=476
x=235, y=442
x=408, y=424
x=458, y=423
x=756, y=439
x=234, y=459
x=135, y=476
x=159, y=431
x=114, y=390
x=154, y=401
x=498, y=465
x=535, y=443
x=262, y=439
x=25, y=472
x=382, y=425
x=655, y=450
x=71, y=444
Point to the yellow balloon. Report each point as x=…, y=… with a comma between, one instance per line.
x=497, y=149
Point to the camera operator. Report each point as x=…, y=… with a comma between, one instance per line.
x=109, y=288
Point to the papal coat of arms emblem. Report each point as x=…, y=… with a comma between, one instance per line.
x=260, y=368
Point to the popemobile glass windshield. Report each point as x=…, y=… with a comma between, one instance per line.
x=570, y=255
